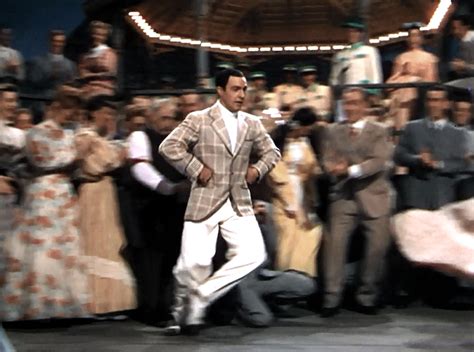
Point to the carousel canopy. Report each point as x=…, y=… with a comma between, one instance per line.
x=273, y=26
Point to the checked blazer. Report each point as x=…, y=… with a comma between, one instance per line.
x=202, y=139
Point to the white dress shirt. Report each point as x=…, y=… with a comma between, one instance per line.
x=355, y=171
x=231, y=121
x=144, y=172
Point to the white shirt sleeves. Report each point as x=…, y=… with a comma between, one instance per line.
x=143, y=171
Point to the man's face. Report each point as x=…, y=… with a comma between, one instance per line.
x=57, y=44
x=137, y=123
x=23, y=121
x=308, y=79
x=141, y=101
x=290, y=77
x=99, y=35
x=8, y=104
x=190, y=103
x=458, y=29
x=436, y=104
x=104, y=120
x=462, y=113
x=354, y=105
x=354, y=35
x=260, y=83
x=164, y=119
x=415, y=38
x=232, y=97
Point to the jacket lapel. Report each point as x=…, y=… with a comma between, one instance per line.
x=219, y=127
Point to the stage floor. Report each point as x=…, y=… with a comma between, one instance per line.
x=412, y=329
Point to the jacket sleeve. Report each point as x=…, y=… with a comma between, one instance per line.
x=457, y=162
x=268, y=154
x=175, y=148
x=379, y=157
x=375, y=68
x=404, y=154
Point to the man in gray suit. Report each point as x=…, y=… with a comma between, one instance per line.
x=462, y=118
x=53, y=69
x=435, y=151
x=463, y=65
x=355, y=155
x=212, y=148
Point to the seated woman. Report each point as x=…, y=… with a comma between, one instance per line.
x=293, y=196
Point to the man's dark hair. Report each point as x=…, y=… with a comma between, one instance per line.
x=100, y=101
x=362, y=91
x=304, y=116
x=438, y=88
x=465, y=19
x=222, y=77
x=56, y=32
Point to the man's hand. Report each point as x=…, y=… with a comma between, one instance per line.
x=205, y=176
x=458, y=65
x=5, y=185
x=252, y=175
x=339, y=168
x=427, y=159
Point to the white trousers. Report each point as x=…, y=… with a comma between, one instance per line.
x=196, y=287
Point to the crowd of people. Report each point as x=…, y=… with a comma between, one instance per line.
x=113, y=206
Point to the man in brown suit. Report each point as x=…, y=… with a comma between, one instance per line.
x=212, y=148
x=356, y=154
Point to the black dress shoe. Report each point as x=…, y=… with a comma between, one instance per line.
x=172, y=328
x=367, y=310
x=192, y=329
x=328, y=312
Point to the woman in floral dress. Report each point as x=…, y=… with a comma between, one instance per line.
x=46, y=275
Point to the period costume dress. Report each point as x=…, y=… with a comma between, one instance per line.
x=12, y=142
x=46, y=273
x=98, y=68
x=111, y=284
x=414, y=65
x=292, y=182
x=441, y=239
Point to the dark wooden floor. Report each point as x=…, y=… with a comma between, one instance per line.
x=413, y=329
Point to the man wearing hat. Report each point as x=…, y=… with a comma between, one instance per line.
x=359, y=63
x=318, y=96
x=255, y=101
x=289, y=92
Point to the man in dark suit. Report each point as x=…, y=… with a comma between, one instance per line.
x=462, y=118
x=355, y=155
x=155, y=194
x=434, y=150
